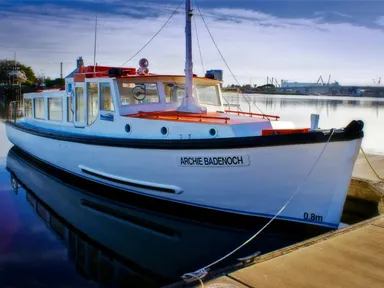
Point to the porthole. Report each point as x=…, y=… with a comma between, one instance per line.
x=128, y=128
x=164, y=130
x=212, y=132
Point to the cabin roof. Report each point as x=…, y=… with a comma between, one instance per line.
x=122, y=73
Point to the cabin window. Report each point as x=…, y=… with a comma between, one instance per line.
x=138, y=93
x=27, y=108
x=38, y=103
x=208, y=95
x=106, y=102
x=69, y=109
x=55, y=109
x=174, y=93
x=93, y=102
x=80, y=115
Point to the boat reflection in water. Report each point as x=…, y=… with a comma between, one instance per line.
x=116, y=244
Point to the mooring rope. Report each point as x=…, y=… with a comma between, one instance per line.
x=201, y=273
x=370, y=165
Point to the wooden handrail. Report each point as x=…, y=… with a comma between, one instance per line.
x=252, y=114
x=179, y=115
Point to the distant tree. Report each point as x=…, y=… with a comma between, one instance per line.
x=267, y=87
x=55, y=83
x=22, y=74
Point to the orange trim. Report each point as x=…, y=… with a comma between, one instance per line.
x=102, y=72
x=252, y=114
x=79, y=77
x=89, y=69
x=266, y=132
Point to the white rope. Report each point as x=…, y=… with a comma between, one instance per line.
x=153, y=37
x=195, y=276
x=222, y=57
x=199, y=274
x=198, y=45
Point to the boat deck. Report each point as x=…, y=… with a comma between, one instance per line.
x=229, y=118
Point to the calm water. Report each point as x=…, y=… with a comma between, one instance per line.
x=335, y=112
x=51, y=234
x=58, y=235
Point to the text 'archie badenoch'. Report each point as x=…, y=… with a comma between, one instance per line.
x=218, y=161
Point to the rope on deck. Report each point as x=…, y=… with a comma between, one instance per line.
x=201, y=273
x=370, y=165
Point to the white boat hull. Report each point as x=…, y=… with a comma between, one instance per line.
x=260, y=182
x=157, y=245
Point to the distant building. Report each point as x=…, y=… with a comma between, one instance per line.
x=287, y=84
x=215, y=74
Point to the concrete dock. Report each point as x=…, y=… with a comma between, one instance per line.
x=349, y=257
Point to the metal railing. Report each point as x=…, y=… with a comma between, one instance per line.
x=249, y=102
x=229, y=104
x=15, y=110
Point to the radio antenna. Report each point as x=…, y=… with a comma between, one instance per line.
x=94, y=48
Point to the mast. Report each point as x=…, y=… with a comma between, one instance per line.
x=94, y=48
x=189, y=103
x=188, y=46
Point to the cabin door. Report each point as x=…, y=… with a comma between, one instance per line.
x=79, y=105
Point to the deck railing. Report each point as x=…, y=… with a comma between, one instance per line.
x=229, y=105
x=15, y=110
x=174, y=115
x=250, y=114
x=247, y=99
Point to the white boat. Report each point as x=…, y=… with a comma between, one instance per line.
x=168, y=140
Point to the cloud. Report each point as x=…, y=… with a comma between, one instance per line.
x=255, y=44
x=342, y=14
x=380, y=21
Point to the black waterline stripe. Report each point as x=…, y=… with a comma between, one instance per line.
x=351, y=132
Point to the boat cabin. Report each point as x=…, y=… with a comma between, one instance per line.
x=115, y=101
x=123, y=91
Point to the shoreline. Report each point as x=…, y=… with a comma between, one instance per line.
x=304, y=95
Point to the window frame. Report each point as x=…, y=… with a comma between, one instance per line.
x=111, y=95
x=217, y=93
x=88, y=123
x=49, y=112
x=159, y=95
x=70, y=108
x=25, y=114
x=34, y=108
x=76, y=120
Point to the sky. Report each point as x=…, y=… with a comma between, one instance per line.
x=288, y=40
